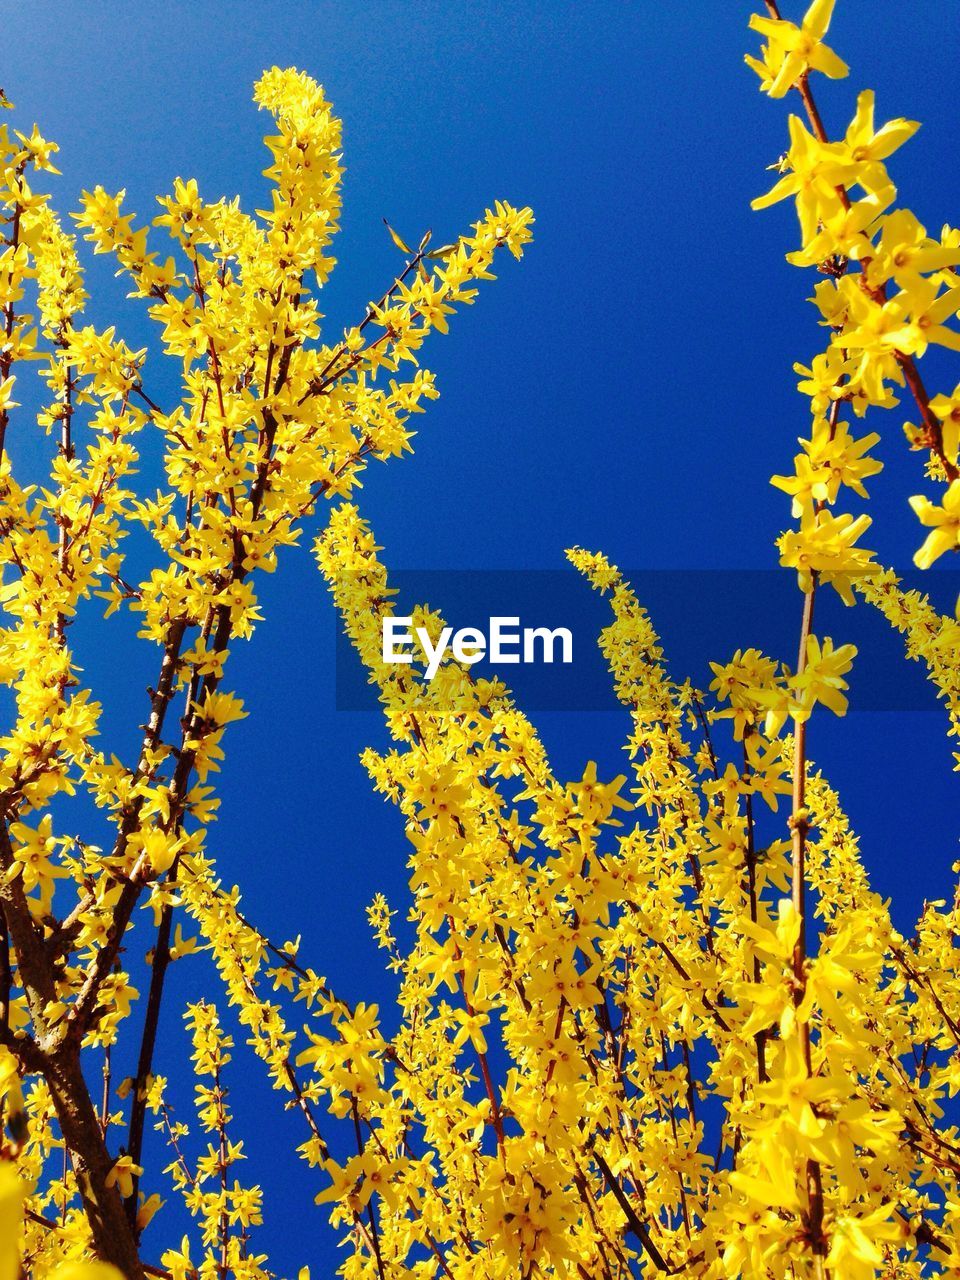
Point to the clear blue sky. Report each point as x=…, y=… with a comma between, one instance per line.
x=627, y=387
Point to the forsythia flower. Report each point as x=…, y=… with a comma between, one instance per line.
x=822, y=677
x=792, y=51
x=943, y=522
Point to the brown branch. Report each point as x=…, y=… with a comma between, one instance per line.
x=223, y=1266
x=35, y=970
x=148, y=1042
x=6, y=974
x=329, y=374
x=638, y=1228
x=760, y=1037
x=799, y=827
x=67, y=454
x=495, y=1113
x=371, y=1216
x=113, y=1237
x=799, y=821
x=6, y=356
x=105, y=1096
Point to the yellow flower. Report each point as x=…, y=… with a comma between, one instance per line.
x=122, y=1175
x=822, y=678
x=793, y=51
x=943, y=522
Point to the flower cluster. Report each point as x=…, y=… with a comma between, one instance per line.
x=274, y=420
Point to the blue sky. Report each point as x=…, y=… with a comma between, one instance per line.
x=627, y=387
